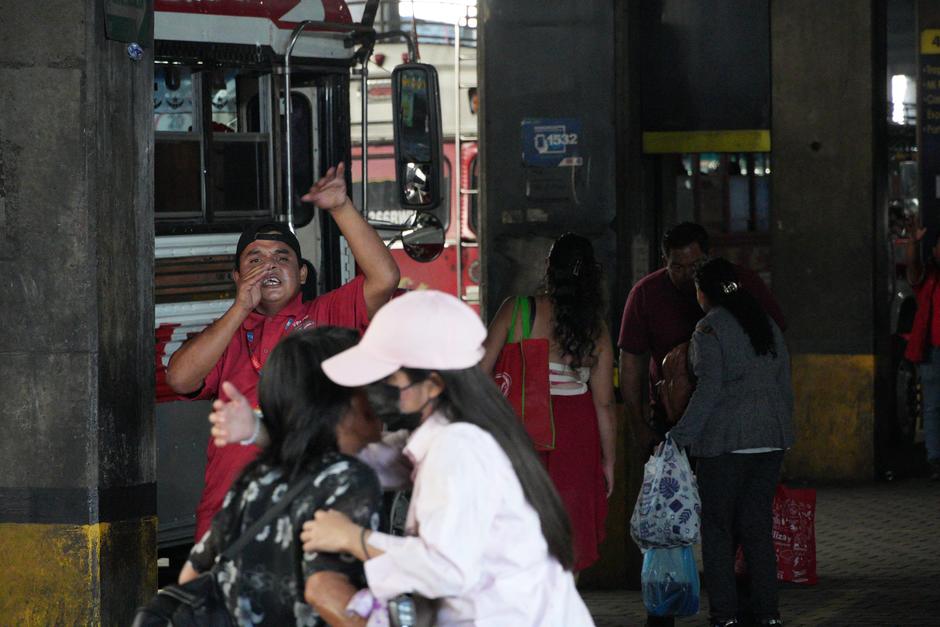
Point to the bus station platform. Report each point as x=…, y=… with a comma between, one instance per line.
x=878, y=562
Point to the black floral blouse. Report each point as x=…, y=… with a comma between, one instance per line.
x=264, y=584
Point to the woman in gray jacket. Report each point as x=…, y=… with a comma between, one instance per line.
x=738, y=423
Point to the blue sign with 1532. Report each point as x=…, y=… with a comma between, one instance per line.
x=551, y=142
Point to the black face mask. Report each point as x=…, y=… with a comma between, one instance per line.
x=385, y=399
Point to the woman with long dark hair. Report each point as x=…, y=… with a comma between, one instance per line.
x=312, y=429
x=570, y=314
x=488, y=536
x=738, y=424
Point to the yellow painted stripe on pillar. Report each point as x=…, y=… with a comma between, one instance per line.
x=834, y=412
x=670, y=142
x=52, y=573
x=930, y=41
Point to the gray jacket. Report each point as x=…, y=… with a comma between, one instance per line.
x=742, y=400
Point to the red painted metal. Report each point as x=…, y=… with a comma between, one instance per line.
x=334, y=10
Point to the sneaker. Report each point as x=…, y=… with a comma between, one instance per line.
x=775, y=622
x=731, y=622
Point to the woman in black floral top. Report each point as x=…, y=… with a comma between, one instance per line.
x=313, y=427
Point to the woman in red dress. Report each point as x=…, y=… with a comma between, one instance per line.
x=570, y=314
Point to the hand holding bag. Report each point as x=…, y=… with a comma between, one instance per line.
x=668, y=509
x=521, y=373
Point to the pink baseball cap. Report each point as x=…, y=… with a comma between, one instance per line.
x=424, y=329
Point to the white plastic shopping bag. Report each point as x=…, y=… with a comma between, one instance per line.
x=668, y=509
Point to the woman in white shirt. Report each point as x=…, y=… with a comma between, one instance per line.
x=488, y=539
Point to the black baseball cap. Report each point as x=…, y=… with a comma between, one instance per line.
x=277, y=231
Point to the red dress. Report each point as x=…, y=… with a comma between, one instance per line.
x=575, y=468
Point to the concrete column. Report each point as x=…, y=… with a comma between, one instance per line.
x=543, y=60
x=829, y=244
x=77, y=492
x=554, y=61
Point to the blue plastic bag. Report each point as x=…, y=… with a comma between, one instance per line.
x=670, y=582
x=668, y=508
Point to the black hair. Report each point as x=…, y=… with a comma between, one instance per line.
x=573, y=284
x=471, y=396
x=301, y=406
x=308, y=289
x=719, y=282
x=685, y=234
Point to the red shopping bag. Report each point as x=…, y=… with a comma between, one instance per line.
x=521, y=373
x=794, y=534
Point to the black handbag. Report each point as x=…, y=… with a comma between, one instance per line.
x=200, y=602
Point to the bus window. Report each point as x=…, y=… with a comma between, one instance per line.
x=178, y=145
x=212, y=157
x=301, y=155
x=474, y=199
x=238, y=167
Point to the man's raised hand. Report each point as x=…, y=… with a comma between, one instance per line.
x=329, y=192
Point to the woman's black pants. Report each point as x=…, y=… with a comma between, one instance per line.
x=737, y=492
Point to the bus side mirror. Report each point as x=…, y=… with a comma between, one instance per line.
x=419, y=160
x=423, y=241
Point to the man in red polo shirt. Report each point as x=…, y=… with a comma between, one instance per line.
x=269, y=275
x=661, y=313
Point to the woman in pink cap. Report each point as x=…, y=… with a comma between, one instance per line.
x=489, y=539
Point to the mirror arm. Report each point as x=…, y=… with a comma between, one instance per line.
x=350, y=29
x=400, y=34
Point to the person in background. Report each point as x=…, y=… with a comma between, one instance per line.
x=488, y=536
x=660, y=313
x=269, y=275
x=923, y=346
x=570, y=315
x=738, y=424
x=313, y=428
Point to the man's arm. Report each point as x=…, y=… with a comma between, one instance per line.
x=496, y=335
x=194, y=360
x=602, y=391
x=632, y=368
x=632, y=380
x=375, y=261
x=914, y=263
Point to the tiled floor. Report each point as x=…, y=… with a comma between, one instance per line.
x=878, y=555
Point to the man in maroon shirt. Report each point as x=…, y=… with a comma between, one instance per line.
x=661, y=313
x=269, y=275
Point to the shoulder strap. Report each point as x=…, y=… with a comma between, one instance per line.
x=531, y=301
x=525, y=310
x=272, y=513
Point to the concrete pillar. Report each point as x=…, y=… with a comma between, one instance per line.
x=828, y=230
x=553, y=62
x=77, y=491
